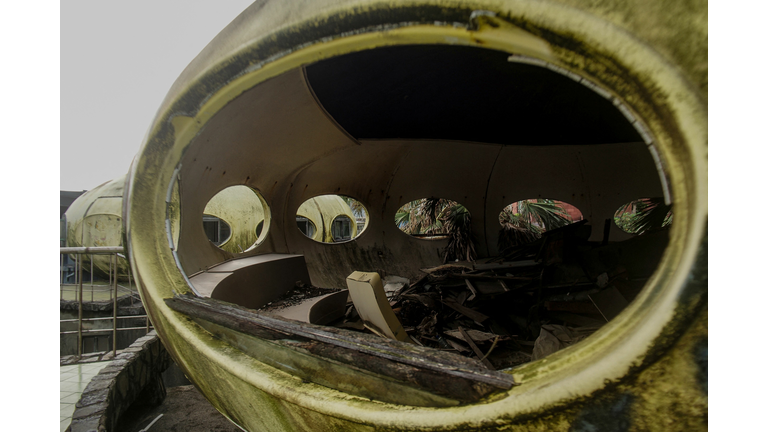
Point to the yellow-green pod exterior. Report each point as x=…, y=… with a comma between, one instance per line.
x=645, y=370
x=95, y=218
x=243, y=210
x=322, y=211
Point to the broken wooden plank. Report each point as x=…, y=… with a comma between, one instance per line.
x=447, y=268
x=503, y=285
x=457, y=346
x=274, y=328
x=488, y=287
x=300, y=360
x=469, y=313
x=437, y=382
x=507, y=265
x=471, y=288
x=495, y=277
x=476, y=335
x=423, y=299
x=462, y=297
x=468, y=339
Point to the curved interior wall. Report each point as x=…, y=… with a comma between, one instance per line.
x=277, y=139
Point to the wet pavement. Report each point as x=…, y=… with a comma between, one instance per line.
x=183, y=410
x=73, y=380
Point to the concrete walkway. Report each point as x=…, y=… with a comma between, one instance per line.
x=74, y=379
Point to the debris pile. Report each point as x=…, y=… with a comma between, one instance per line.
x=529, y=302
x=298, y=294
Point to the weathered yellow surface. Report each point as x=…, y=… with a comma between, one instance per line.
x=242, y=209
x=95, y=218
x=322, y=211
x=646, y=370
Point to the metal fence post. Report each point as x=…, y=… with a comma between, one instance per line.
x=79, y=253
x=80, y=309
x=91, y=258
x=130, y=289
x=110, y=275
x=114, y=310
x=61, y=276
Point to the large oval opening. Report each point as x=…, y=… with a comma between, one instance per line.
x=378, y=120
x=398, y=126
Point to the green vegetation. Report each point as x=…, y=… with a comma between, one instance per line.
x=643, y=215
x=524, y=221
x=521, y=222
x=356, y=206
x=437, y=217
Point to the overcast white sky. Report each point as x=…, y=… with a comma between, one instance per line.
x=118, y=60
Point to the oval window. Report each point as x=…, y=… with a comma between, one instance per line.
x=525, y=221
x=431, y=218
x=643, y=215
x=436, y=219
x=259, y=228
x=236, y=219
x=331, y=218
x=306, y=226
x=216, y=229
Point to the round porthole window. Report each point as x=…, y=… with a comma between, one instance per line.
x=236, y=219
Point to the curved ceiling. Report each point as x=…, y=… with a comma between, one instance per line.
x=461, y=93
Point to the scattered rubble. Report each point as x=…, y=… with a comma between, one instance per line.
x=532, y=300
x=527, y=303
x=298, y=294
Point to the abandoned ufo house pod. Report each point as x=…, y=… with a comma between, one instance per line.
x=481, y=104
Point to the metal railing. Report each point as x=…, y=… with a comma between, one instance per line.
x=113, y=288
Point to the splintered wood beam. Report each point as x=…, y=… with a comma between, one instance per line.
x=471, y=288
x=433, y=364
x=437, y=382
x=493, y=277
x=467, y=312
x=475, y=348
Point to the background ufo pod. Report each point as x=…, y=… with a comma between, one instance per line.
x=95, y=218
x=332, y=220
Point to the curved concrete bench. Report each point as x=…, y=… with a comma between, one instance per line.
x=318, y=310
x=252, y=282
